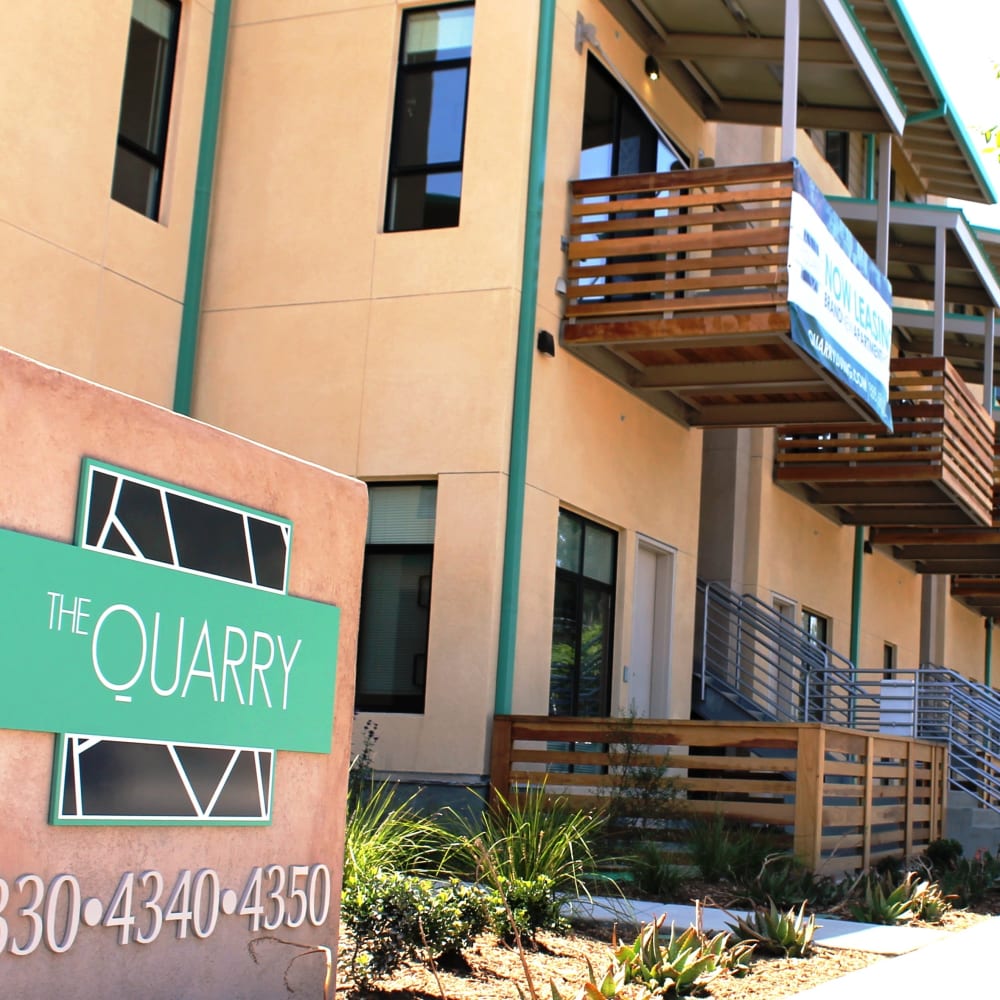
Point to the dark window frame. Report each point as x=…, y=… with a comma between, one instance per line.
x=406, y=71
x=394, y=702
x=583, y=585
x=837, y=152
x=154, y=156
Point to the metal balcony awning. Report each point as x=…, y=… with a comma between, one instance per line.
x=861, y=67
x=935, y=256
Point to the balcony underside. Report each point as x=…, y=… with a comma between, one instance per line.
x=731, y=370
x=677, y=289
x=935, y=468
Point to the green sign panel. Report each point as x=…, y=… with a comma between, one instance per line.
x=116, y=647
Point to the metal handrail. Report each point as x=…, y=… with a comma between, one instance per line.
x=780, y=672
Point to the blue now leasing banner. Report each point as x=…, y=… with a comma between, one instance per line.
x=840, y=303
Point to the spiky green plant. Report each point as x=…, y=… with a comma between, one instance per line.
x=883, y=901
x=385, y=835
x=681, y=964
x=533, y=852
x=527, y=836
x=776, y=932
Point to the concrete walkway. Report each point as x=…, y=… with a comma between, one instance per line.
x=926, y=961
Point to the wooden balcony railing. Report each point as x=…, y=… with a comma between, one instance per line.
x=677, y=287
x=843, y=798
x=936, y=467
x=971, y=555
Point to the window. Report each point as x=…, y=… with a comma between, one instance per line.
x=396, y=598
x=583, y=618
x=837, y=152
x=618, y=138
x=428, y=134
x=145, y=108
x=815, y=695
x=888, y=660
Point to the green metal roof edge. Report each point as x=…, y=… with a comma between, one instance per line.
x=957, y=126
x=921, y=205
x=848, y=6
x=910, y=311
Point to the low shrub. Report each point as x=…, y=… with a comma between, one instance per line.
x=530, y=851
x=393, y=917
x=970, y=880
x=652, y=872
x=724, y=850
x=787, y=883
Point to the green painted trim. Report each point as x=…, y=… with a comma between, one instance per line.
x=958, y=129
x=988, y=667
x=187, y=348
x=857, y=578
x=521, y=407
x=941, y=111
x=869, y=167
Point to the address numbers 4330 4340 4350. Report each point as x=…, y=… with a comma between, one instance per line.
x=142, y=906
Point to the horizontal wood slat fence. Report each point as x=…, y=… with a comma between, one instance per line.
x=843, y=798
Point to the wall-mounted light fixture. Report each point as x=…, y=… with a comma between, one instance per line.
x=652, y=68
x=546, y=343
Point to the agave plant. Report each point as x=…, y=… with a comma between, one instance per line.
x=681, y=964
x=776, y=932
x=883, y=902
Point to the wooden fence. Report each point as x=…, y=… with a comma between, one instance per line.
x=841, y=797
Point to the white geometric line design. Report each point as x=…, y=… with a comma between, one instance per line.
x=250, y=559
x=210, y=808
x=264, y=803
x=78, y=745
x=174, y=558
x=113, y=520
x=182, y=774
x=102, y=539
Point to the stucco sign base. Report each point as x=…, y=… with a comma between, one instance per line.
x=159, y=910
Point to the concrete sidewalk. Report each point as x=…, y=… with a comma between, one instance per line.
x=924, y=961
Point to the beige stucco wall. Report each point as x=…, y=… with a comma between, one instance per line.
x=92, y=286
x=391, y=355
x=965, y=640
x=48, y=422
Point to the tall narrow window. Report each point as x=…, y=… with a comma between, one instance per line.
x=428, y=131
x=814, y=694
x=837, y=151
x=396, y=598
x=618, y=138
x=145, y=107
x=583, y=618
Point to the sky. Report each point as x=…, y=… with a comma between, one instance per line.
x=962, y=39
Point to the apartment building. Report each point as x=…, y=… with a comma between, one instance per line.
x=358, y=233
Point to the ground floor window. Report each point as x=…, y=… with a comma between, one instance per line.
x=583, y=618
x=814, y=696
x=396, y=597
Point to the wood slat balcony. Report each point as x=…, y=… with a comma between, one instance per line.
x=970, y=555
x=677, y=288
x=936, y=467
